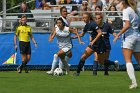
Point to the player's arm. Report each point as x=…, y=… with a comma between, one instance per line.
x=124, y=29
x=97, y=37
x=15, y=42
x=76, y=32
x=15, y=38
x=114, y=34
x=90, y=38
x=80, y=35
x=52, y=35
x=111, y=30
x=33, y=39
x=52, y=32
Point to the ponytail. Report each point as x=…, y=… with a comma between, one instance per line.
x=132, y=4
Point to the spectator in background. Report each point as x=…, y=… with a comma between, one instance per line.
x=0, y=24
x=94, y=3
x=53, y=2
x=63, y=2
x=98, y=10
x=78, y=1
x=44, y=5
x=117, y=4
x=106, y=5
x=115, y=21
x=84, y=7
x=71, y=9
x=23, y=9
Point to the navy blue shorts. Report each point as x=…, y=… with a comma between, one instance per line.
x=99, y=46
x=107, y=44
x=25, y=47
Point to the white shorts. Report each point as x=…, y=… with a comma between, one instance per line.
x=132, y=42
x=66, y=49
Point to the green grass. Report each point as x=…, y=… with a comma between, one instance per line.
x=40, y=82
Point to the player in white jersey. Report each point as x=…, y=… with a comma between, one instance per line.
x=131, y=37
x=63, y=12
x=64, y=41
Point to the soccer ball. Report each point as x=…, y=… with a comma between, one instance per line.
x=58, y=72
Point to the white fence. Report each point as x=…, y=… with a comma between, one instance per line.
x=42, y=20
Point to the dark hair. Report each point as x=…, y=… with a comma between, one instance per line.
x=112, y=6
x=60, y=19
x=98, y=7
x=53, y=2
x=24, y=3
x=62, y=9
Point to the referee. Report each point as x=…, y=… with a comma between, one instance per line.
x=23, y=33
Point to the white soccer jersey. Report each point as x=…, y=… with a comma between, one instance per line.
x=63, y=38
x=65, y=21
x=131, y=38
x=130, y=15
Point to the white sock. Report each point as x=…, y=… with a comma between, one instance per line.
x=54, y=63
x=131, y=73
x=67, y=59
x=61, y=64
x=66, y=66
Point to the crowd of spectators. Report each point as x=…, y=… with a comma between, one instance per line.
x=77, y=9
x=89, y=6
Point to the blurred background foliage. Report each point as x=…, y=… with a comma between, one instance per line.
x=13, y=3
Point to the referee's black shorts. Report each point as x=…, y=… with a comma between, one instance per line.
x=25, y=47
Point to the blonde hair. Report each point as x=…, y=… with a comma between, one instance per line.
x=133, y=4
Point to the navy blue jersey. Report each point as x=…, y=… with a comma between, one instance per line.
x=91, y=28
x=106, y=30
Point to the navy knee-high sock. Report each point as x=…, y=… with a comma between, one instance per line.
x=22, y=65
x=95, y=66
x=80, y=65
x=106, y=65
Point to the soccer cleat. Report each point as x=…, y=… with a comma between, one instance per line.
x=69, y=65
x=26, y=70
x=76, y=74
x=133, y=86
x=49, y=72
x=66, y=73
x=19, y=70
x=106, y=73
x=116, y=65
x=68, y=69
x=94, y=73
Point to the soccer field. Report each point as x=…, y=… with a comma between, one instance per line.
x=40, y=82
